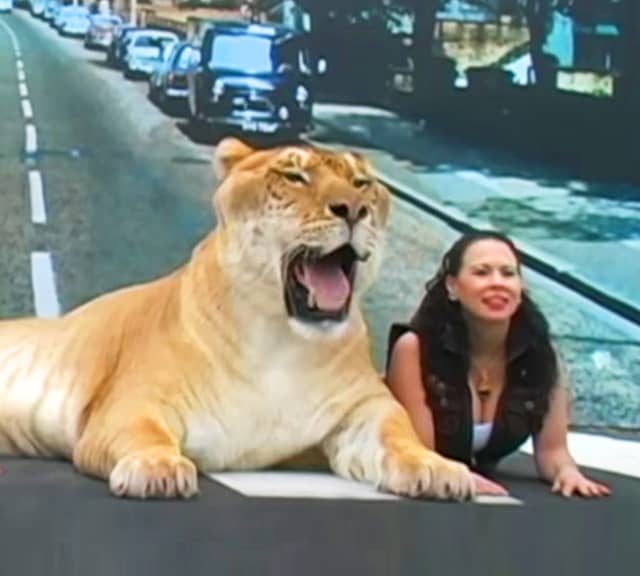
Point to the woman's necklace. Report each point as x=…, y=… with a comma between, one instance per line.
x=481, y=382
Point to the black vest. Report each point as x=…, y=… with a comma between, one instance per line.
x=522, y=405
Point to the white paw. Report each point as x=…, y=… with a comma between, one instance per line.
x=154, y=474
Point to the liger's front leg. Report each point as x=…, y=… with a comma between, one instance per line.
x=376, y=443
x=141, y=459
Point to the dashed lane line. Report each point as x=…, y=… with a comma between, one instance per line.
x=36, y=194
x=45, y=295
x=27, y=110
x=31, y=139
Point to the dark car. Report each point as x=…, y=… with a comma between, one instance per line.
x=168, y=83
x=252, y=78
x=117, y=49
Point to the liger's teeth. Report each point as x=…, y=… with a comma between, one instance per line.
x=311, y=300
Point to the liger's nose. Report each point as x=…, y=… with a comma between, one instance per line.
x=352, y=211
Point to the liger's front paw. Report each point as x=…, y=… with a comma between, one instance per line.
x=428, y=475
x=154, y=473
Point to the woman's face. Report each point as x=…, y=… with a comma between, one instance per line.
x=488, y=284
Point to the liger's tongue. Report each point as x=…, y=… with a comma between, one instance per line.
x=326, y=282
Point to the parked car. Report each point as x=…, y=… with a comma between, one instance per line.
x=117, y=48
x=50, y=10
x=37, y=8
x=252, y=78
x=146, y=50
x=101, y=30
x=6, y=5
x=168, y=83
x=72, y=20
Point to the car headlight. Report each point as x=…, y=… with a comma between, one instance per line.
x=302, y=95
x=218, y=88
x=283, y=113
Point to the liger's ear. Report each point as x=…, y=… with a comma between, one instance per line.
x=228, y=153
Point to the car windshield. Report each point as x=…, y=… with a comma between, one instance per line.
x=105, y=21
x=252, y=54
x=158, y=42
x=242, y=53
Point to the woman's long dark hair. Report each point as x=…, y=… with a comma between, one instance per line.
x=436, y=311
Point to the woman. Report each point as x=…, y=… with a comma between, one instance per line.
x=476, y=371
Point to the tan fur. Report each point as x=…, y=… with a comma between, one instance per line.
x=203, y=369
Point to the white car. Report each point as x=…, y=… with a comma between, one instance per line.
x=72, y=20
x=37, y=7
x=147, y=49
x=6, y=5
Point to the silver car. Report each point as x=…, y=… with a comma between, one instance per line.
x=101, y=29
x=72, y=21
x=146, y=50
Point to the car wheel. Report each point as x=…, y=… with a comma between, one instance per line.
x=161, y=98
x=198, y=128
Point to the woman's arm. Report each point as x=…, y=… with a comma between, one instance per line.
x=404, y=378
x=550, y=444
x=553, y=460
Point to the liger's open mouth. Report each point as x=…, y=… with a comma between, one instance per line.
x=318, y=287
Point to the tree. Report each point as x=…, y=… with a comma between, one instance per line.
x=424, y=12
x=354, y=36
x=538, y=13
x=630, y=88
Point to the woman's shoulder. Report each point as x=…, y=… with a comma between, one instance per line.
x=409, y=341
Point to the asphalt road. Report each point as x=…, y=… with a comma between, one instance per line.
x=124, y=201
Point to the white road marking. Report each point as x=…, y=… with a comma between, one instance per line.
x=36, y=192
x=21, y=76
x=27, y=110
x=24, y=91
x=13, y=37
x=45, y=295
x=602, y=452
x=19, y=64
x=270, y=484
x=31, y=139
x=322, y=485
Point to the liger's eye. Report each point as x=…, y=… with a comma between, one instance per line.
x=295, y=177
x=361, y=182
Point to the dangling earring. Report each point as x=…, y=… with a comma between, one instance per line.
x=451, y=296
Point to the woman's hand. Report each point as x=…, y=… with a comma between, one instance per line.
x=488, y=487
x=570, y=480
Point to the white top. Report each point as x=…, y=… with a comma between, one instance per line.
x=481, y=433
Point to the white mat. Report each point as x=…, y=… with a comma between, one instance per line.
x=283, y=484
